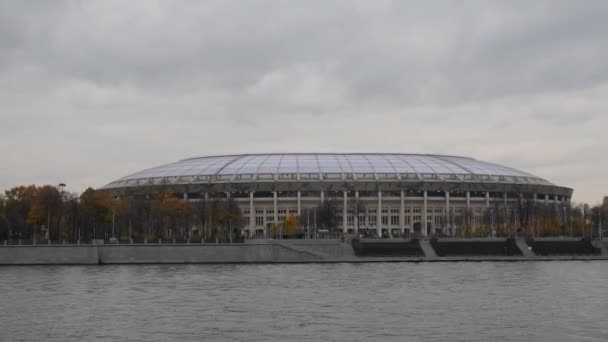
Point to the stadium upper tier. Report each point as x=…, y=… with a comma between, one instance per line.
x=319, y=167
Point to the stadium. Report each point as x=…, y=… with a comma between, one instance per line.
x=389, y=194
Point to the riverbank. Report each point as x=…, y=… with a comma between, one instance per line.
x=251, y=252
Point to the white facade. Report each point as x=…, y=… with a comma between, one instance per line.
x=400, y=192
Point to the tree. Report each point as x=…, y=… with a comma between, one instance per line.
x=18, y=202
x=290, y=226
x=358, y=207
x=327, y=215
x=175, y=211
x=4, y=228
x=232, y=219
x=46, y=208
x=96, y=212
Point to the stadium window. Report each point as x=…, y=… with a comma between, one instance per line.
x=394, y=220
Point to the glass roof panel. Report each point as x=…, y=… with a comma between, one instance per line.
x=326, y=163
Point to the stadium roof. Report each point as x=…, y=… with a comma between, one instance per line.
x=277, y=166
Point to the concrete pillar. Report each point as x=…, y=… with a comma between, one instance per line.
x=345, y=213
x=469, y=213
x=276, y=211
x=379, y=214
x=299, y=203
x=546, y=198
x=424, y=214
x=185, y=196
x=402, y=213
x=251, y=215
x=487, y=199
x=227, y=195
x=356, y=213
x=448, y=224
x=322, y=196
x=411, y=219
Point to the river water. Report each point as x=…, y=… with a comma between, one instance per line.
x=536, y=301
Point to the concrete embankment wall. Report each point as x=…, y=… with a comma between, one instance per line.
x=326, y=249
x=153, y=254
x=211, y=253
x=49, y=255
x=257, y=251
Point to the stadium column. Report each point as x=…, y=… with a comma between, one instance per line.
x=425, y=223
x=206, y=225
x=546, y=198
x=356, y=213
x=299, y=203
x=505, y=196
x=275, y=207
x=487, y=199
x=402, y=213
x=345, y=213
x=411, y=218
x=447, y=210
x=322, y=197
x=251, y=215
x=379, y=215
x=469, y=214
x=185, y=196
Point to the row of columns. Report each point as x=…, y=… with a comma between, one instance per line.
x=379, y=215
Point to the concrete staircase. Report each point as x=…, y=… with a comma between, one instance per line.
x=428, y=250
x=302, y=249
x=523, y=246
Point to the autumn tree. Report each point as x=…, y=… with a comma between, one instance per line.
x=47, y=209
x=18, y=202
x=290, y=226
x=175, y=211
x=4, y=228
x=96, y=209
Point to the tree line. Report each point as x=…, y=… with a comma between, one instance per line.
x=48, y=213
x=45, y=212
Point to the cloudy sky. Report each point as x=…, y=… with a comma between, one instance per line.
x=92, y=91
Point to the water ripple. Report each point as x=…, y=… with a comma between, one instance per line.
x=343, y=302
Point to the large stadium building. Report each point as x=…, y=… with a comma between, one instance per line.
x=382, y=192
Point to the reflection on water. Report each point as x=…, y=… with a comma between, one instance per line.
x=552, y=301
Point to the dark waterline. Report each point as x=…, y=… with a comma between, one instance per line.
x=527, y=301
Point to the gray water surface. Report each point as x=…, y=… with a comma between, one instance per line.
x=536, y=301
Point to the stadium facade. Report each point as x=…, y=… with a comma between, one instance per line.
x=382, y=192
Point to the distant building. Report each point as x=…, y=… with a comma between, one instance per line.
x=400, y=192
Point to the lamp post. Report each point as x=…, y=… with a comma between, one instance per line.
x=61, y=186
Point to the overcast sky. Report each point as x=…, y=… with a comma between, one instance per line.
x=92, y=91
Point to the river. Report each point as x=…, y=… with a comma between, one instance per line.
x=520, y=301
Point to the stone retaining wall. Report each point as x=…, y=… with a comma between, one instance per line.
x=264, y=251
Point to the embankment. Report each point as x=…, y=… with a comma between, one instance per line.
x=283, y=251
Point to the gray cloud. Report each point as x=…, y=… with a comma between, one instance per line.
x=94, y=90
